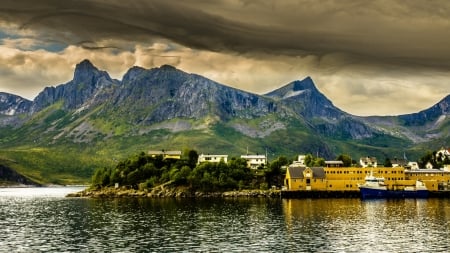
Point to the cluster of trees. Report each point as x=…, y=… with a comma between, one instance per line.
x=438, y=160
x=144, y=172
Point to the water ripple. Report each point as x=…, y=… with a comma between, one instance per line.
x=51, y=223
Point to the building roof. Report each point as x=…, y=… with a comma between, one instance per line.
x=334, y=162
x=430, y=171
x=202, y=155
x=163, y=152
x=253, y=156
x=297, y=171
x=368, y=159
x=399, y=161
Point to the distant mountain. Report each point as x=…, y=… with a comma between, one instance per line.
x=94, y=119
x=11, y=104
x=89, y=86
x=435, y=115
x=430, y=125
x=306, y=100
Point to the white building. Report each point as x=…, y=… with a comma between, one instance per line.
x=301, y=160
x=442, y=153
x=212, y=158
x=254, y=161
x=368, y=162
x=413, y=165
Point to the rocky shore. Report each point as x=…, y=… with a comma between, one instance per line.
x=168, y=192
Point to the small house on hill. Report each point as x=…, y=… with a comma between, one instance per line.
x=254, y=161
x=212, y=158
x=399, y=162
x=165, y=154
x=368, y=162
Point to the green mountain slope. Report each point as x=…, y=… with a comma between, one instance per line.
x=93, y=121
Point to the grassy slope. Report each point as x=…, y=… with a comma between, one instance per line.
x=62, y=161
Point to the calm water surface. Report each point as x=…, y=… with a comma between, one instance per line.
x=42, y=220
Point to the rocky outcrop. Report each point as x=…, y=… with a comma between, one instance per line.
x=89, y=86
x=166, y=93
x=430, y=115
x=11, y=105
x=172, y=192
x=10, y=176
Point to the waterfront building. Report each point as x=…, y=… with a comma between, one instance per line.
x=334, y=163
x=212, y=158
x=434, y=179
x=302, y=178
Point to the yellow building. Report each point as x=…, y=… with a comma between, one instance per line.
x=300, y=178
x=433, y=179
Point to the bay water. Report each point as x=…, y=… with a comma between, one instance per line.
x=44, y=220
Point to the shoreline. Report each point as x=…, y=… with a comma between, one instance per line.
x=111, y=192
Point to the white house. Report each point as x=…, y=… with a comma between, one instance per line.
x=254, y=161
x=301, y=159
x=413, y=165
x=176, y=154
x=368, y=162
x=398, y=162
x=212, y=158
x=446, y=167
x=442, y=153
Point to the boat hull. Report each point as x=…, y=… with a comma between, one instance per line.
x=371, y=193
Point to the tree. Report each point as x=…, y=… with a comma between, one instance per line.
x=273, y=174
x=346, y=159
x=192, y=158
x=387, y=162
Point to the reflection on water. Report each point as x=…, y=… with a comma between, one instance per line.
x=46, y=221
x=345, y=225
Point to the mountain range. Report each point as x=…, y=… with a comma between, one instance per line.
x=93, y=120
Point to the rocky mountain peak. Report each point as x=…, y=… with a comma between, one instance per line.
x=294, y=89
x=132, y=73
x=86, y=72
x=167, y=67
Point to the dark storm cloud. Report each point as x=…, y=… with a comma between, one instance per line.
x=408, y=33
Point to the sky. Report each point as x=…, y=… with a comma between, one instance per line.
x=369, y=57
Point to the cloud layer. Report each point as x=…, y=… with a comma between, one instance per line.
x=366, y=56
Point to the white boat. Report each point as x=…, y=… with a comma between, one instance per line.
x=374, y=187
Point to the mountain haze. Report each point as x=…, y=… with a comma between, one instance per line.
x=93, y=120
